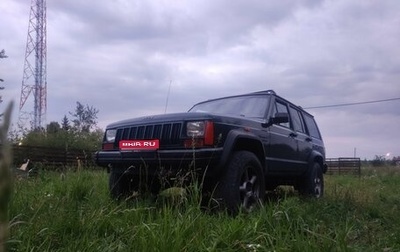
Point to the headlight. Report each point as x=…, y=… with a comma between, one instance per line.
x=110, y=135
x=195, y=129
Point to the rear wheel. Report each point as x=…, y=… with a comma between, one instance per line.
x=242, y=185
x=313, y=182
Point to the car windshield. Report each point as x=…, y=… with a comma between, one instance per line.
x=245, y=106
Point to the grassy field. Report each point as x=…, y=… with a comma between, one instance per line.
x=74, y=213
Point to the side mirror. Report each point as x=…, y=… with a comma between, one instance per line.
x=278, y=118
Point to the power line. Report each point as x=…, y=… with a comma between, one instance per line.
x=352, y=104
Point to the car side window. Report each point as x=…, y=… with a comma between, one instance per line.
x=311, y=126
x=296, y=119
x=282, y=108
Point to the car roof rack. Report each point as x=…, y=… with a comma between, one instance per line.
x=270, y=91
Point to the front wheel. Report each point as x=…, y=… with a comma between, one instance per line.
x=123, y=185
x=242, y=185
x=118, y=185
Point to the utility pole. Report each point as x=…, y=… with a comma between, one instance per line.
x=34, y=81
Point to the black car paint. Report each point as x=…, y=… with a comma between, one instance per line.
x=282, y=151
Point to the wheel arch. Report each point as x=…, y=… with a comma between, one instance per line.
x=238, y=141
x=317, y=157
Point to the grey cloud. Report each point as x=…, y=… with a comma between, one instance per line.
x=120, y=57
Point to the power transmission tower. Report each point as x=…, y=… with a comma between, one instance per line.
x=34, y=81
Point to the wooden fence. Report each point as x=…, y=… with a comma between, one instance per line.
x=344, y=165
x=52, y=156
x=72, y=157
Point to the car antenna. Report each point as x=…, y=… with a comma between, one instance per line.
x=166, y=102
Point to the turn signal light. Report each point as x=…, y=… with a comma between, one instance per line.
x=202, y=134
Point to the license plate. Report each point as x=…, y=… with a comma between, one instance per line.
x=139, y=144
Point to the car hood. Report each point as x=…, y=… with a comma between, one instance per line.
x=164, y=118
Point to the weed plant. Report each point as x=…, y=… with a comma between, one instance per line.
x=75, y=213
x=6, y=182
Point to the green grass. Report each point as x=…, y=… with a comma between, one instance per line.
x=74, y=213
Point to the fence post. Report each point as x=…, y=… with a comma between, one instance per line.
x=66, y=154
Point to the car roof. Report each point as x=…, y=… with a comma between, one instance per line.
x=263, y=92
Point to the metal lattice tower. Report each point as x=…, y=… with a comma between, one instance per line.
x=34, y=81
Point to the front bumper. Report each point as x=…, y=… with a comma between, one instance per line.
x=159, y=159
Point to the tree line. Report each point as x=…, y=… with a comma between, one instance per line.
x=78, y=131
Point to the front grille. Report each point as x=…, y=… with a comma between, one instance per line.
x=167, y=133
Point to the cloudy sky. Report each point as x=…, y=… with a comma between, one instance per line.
x=122, y=57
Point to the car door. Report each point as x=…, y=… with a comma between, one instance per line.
x=282, y=148
x=304, y=141
x=316, y=142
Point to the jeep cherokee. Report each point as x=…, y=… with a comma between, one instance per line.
x=239, y=146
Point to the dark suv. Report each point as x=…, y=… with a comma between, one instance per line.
x=238, y=147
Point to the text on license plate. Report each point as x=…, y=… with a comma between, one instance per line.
x=139, y=144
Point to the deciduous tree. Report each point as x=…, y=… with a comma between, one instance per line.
x=53, y=127
x=84, y=118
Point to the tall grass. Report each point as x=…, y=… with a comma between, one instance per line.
x=76, y=214
x=5, y=176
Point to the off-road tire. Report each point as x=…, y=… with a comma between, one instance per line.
x=118, y=185
x=242, y=186
x=313, y=182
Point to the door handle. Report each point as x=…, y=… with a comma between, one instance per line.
x=293, y=135
x=308, y=139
